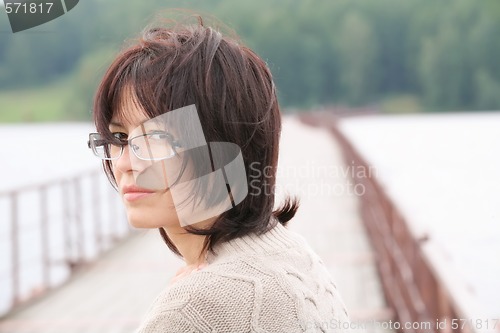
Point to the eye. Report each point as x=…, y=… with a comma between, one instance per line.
x=120, y=137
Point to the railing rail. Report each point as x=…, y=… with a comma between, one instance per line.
x=56, y=226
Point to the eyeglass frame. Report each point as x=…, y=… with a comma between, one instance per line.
x=122, y=143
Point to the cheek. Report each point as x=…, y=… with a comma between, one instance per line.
x=115, y=172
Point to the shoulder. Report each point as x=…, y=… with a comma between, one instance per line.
x=206, y=301
x=244, y=295
x=271, y=282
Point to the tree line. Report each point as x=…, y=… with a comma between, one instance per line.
x=350, y=52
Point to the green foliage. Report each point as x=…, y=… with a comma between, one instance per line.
x=45, y=103
x=401, y=104
x=357, y=52
x=443, y=53
x=85, y=81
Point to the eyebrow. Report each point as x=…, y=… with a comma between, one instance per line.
x=116, y=124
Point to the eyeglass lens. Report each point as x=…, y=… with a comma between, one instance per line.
x=151, y=146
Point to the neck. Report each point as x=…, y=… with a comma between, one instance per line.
x=189, y=245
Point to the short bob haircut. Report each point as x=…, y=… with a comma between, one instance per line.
x=183, y=64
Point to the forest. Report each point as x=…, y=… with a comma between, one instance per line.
x=421, y=56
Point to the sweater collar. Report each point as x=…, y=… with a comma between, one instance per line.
x=277, y=239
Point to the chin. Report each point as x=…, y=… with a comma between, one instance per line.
x=140, y=219
x=138, y=222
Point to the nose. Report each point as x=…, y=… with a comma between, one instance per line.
x=123, y=163
x=129, y=162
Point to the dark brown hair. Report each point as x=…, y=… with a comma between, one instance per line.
x=234, y=93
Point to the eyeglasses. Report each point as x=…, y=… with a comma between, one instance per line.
x=153, y=146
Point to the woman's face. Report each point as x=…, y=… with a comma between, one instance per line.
x=145, y=207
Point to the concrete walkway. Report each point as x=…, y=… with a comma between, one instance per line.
x=109, y=296
x=114, y=293
x=313, y=168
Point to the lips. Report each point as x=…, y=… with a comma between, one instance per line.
x=133, y=193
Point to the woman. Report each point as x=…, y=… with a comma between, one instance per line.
x=181, y=114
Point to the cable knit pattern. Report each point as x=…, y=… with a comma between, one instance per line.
x=268, y=283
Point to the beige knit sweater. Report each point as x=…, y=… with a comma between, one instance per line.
x=268, y=283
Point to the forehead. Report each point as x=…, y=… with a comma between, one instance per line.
x=129, y=112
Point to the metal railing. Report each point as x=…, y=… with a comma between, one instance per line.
x=412, y=284
x=50, y=229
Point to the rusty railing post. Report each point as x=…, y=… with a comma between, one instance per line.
x=44, y=234
x=15, y=247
